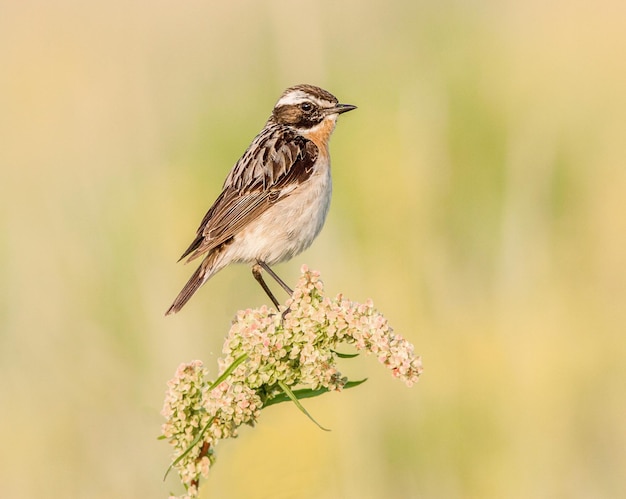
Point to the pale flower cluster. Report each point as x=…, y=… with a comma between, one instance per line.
x=266, y=351
x=185, y=414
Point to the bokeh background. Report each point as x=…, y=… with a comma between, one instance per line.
x=480, y=201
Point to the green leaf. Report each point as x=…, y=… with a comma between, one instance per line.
x=346, y=355
x=352, y=384
x=228, y=371
x=293, y=398
x=305, y=393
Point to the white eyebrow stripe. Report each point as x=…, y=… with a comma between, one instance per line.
x=298, y=96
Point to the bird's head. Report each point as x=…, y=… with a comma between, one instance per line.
x=305, y=107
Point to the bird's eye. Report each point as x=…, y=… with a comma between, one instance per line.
x=306, y=107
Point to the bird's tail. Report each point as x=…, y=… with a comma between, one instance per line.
x=208, y=267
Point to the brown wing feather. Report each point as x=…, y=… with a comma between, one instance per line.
x=275, y=164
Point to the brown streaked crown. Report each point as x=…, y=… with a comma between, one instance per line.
x=312, y=91
x=303, y=106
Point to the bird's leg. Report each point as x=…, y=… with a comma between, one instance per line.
x=256, y=272
x=282, y=284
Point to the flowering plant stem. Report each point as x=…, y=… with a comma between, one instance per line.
x=271, y=357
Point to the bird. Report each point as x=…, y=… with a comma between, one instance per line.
x=275, y=199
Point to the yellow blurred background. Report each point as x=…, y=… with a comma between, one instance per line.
x=479, y=200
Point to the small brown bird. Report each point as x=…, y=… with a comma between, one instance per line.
x=275, y=199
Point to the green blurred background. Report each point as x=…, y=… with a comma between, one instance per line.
x=479, y=200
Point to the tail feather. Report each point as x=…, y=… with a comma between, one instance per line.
x=202, y=274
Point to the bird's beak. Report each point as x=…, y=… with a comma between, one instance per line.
x=340, y=108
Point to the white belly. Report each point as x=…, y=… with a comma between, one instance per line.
x=289, y=227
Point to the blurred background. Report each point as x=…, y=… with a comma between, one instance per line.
x=479, y=200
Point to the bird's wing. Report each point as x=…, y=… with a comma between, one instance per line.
x=277, y=162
